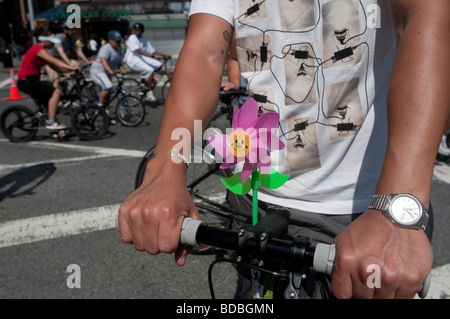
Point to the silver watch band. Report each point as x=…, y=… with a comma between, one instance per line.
x=381, y=202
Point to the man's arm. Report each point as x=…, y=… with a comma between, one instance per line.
x=418, y=110
x=63, y=55
x=82, y=57
x=105, y=64
x=151, y=217
x=233, y=70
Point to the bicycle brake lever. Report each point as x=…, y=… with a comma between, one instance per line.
x=324, y=258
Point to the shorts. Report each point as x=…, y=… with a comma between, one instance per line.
x=144, y=69
x=103, y=80
x=42, y=91
x=53, y=74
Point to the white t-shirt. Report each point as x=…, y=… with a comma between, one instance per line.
x=134, y=43
x=324, y=66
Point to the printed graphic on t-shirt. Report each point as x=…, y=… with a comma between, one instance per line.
x=312, y=55
x=341, y=32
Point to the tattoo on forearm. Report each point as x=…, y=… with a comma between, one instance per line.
x=227, y=35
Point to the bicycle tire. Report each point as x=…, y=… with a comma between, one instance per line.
x=90, y=90
x=165, y=89
x=132, y=87
x=130, y=111
x=90, y=122
x=17, y=119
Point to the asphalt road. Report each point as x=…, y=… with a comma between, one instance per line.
x=58, y=200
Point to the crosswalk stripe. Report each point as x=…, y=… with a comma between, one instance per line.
x=33, y=229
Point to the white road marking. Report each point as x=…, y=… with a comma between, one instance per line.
x=440, y=283
x=56, y=162
x=442, y=172
x=99, y=152
x=5, y=83
x=83, y=148
x=33, y=229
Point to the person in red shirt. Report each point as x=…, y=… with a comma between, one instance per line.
x=28, y=77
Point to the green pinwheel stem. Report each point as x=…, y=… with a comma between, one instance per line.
x=255, y=186
x=270, y=181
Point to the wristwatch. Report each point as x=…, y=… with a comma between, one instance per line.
x=403, y=210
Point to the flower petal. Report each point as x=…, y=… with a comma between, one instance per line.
x=247, y=170
x=268, y=139
x=267, y=120
x=248, y=114
x=219, y=142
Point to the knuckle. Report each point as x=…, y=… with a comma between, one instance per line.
x=390, y=276
x=345, y=259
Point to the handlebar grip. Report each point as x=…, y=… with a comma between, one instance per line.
x=189, y=231
x=324, y=258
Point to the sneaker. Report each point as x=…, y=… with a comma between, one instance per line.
x=150, y=97
x=55, y=126
x=111, y=120
x=444, y=150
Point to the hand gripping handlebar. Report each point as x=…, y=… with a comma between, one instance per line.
x=321, y=259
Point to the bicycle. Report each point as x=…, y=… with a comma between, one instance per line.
x=264, y=248
x=203, y=174
x=19, y=123
x=139, y=88
x=129, y=110
x=78, y=84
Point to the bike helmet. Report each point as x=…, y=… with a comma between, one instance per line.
x=138, y=26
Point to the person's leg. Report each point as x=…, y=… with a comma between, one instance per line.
x=53, y=104
x=105, y=84
x=146, y=72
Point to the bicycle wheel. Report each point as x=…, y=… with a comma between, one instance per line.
x=90, y=90
x=132, y=87
x=165, y=89
x=90, y=122
x=18, y=123
x=130, y=111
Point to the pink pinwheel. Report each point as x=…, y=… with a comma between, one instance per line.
x=250, y=140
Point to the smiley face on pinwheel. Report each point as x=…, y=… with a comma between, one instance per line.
x=239, y=143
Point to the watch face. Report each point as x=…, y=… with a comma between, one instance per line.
x=406, y=210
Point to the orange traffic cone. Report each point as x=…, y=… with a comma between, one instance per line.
x=14, y=91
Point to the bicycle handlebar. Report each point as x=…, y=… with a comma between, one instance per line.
x=321, y=259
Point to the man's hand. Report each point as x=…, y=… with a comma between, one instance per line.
x=151, y=217
x=227, y=86
x=403, y=256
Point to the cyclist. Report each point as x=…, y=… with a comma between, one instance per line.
x=140, y=56
x=67, y=51
x=400, y=106
x=108, y=60
x=28, y=77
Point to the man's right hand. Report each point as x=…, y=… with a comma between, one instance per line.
x=151, y=217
